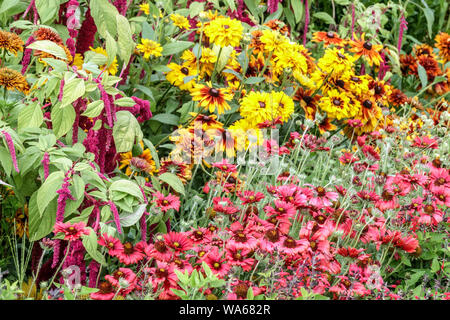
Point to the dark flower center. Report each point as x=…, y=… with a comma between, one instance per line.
x=367, y=104
x=272, y=235
x=367, y=45
x=290, y=243
x=240, y=237
x=330, y=34
x=161, y=273
x=226, y=26
x=378, y=89
x=241, y=290
x=105, y=287
x=160, y=246
x=184, y=71
x=128, y=248
x=440, y=181
x=307, y=99
x=262, y=104
x=214, y=92
x=340, y=55
x=337, y=102
x=387, y=196
x=320, y=191
x=429, y=209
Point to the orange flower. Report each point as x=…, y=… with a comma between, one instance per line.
x=328, y=38
x=366, y=49
x=443, y=44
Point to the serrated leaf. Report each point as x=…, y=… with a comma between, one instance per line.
x=111, y=49
x=73, y=89
x=126, y=131
x=47, y=9
x=128, y=187
x=125, y=40
x=30, y=117
x=104, y=14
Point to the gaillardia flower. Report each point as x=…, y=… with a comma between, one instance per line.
x=212, y=98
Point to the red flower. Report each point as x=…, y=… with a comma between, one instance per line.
x=224, y=205
x=248, y=197
x=225, y=166
x=131, y=254
x=165, y=203
x=71, y=231
x=106, y=291
x=125, y=274
x=178, y=241
x=113, y=245
x=218, y=265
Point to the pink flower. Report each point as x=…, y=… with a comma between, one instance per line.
x=225, y=166
x=131, y=254
x=71, y=231
x=425, y=142
x=159, y=250
x=106, y=291
x=218, y=265
x=178, y=241
x=439, y=178
x=238, y=256
x=248, y=197
x=165, y=203
x=224, y=205
x=123, y=273
x=323, y=198
x=113, y=245
x=442, y=196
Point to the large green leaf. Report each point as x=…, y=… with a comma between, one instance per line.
x=176, y=47
x=62, y=120
x=47, y=191
x=173, y=181
x=47, y=9
x=73, y=89
x=104, y=14
x=131, y=219
x=49, y=47
x=125, y=40
x=40, y=226
x=126, y=186
x=126, y=131
x=90, y=244
x=30, y=117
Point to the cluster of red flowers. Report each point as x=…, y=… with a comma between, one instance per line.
x=303, y=232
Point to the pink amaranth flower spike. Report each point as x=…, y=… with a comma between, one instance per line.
x=402, y=28
x=45, y=163
x=116, y=216
x=11, y=148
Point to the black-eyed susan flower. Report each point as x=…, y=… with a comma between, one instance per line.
x=10, y=42
x=366, y=49
x=369, y=114
x=180, y=21
x=13, y=80
x=308, y=102
x=212, y=98
x=337, y=105
x=328, y=38
x=283, y=105
x=149, y=48
x=336, y=60
x=135, y=165
x=224, y=32
x=256, y=107
x=178, y=74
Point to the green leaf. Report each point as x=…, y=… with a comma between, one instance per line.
x=298, y=7
x=422, y=75
x=126, y=131
x=90, y=244
x=325, y=17
x=47, y=9
x=153, y=152
x=84, y=216
x=62, y=120
x=176, y=47
x=111, y=49
x=125, y=39
x=49, y=47
x=231, y=5
x=429, y=15
x=5, y=160
x=132, y=218
x=195, y=8
x=254, y=80
x=173, y=181
x=148, y=32
x=47, y=191
x=73, y=89
x=128, y=187
x=94, y=109
x=30, y=117
x=166, y=118
x=104, y=14
x=40, y=226
x=435, y=266
x=125, y=102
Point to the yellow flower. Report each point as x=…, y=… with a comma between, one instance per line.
x=337, y=105
x=145, y=7
x=283, y=105
x=335, y=60
x=178, y=73
x=149, y=48
x=78, y=60
x=112, y=69
x=142, y=163
x=180, y=21
x=212, y=98
x=245, y=134
x=273, y=40
x=224, y=32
